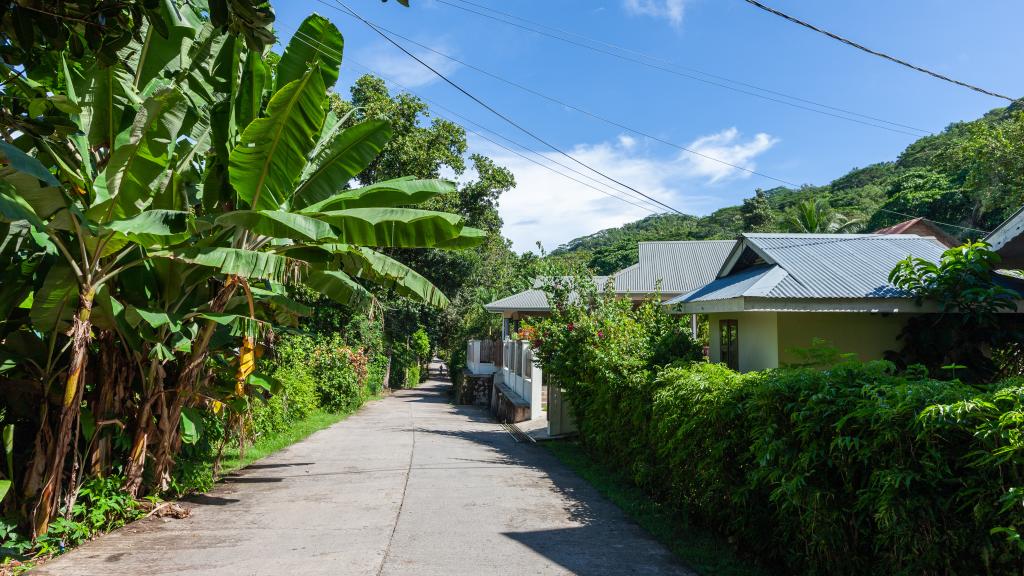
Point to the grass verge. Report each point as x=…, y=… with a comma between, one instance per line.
x=296, y=432
x=263, y=447
x=705, y=553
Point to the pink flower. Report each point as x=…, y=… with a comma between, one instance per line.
x=600, y=333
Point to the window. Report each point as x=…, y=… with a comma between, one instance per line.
x=729, y=343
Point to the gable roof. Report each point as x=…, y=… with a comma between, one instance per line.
x=920, y=227
x=811, y=267
x=1008, y=240
x=532, y=300
x=678, y=266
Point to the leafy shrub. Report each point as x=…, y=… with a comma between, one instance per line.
x=855, y=469
x=296, y=400
x=405, y=361
x=101, y=506
x=604, y=352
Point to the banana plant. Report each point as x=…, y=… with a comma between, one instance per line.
x=277, y=203
x=189, y=169
x=98, y=201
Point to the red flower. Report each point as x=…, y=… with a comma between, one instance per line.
x=570, y=327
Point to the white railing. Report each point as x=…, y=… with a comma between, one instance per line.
x=480, y=357
x=519, y=373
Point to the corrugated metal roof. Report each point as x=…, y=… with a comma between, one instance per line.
x=679, y=266
x=532, y=300
x=528, y=301
x=818, y=266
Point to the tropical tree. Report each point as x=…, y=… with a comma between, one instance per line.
x=190, y=186
x=817, y=217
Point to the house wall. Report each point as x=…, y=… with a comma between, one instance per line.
x=766, y=339
x=868, y=335
x=758, y=338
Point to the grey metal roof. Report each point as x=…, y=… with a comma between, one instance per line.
x=532, y=300
x=679, y=266
x=814, y=266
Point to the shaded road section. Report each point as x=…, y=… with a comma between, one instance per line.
x=409, y=485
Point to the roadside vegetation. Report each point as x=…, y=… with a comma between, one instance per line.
x=206, y=252
x=833, y=466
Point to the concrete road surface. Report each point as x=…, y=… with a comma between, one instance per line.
x=409, y=485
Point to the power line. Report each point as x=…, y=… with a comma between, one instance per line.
x=491, y=109
x=932, y=221
x=690, y=68
x=587, y=112
x=849, y=42
x=316, y=45
x=319, y=46
x=712, y=82
x=510, y=150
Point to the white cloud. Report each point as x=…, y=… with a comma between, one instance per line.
x=553, y=209
x=671, y=10
x=725, y=147
x=396, y=66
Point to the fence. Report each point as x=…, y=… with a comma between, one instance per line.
x=512, y=363
x=520, y=375
x=480, y=356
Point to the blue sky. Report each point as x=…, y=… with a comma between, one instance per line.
x=975, y=42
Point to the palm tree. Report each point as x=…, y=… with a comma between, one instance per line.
x=817, y=217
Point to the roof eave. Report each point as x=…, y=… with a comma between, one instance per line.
x=757, y=304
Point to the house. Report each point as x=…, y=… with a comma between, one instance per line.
x=1008, y=241
x=665, y=269
x=778, y=292
x=668, y=269
x=921, y=227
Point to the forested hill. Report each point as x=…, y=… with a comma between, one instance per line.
x=969, y=175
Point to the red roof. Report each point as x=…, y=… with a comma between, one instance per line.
x=920, y=227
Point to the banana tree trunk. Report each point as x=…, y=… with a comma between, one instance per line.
x=49, y=496
x=188, y=378
x=116, y=374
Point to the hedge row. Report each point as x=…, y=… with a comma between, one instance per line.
x=851, y=470
x=316, y=373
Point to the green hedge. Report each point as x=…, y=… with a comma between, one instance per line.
x=316, y=373
x=850, y=470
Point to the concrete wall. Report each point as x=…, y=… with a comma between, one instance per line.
x=767, y=338
x=758, y=338
x=867, y=335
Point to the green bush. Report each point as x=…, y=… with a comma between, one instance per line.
x=406, y=359
x=854, y=469
x=101, y=506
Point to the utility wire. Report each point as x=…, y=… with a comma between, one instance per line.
x=587, y=112
x=676, y=72
x=510, y=150
x=316, y=45
x=849, y=42
x=491, y=109
x=654, y=209
x=688, y=68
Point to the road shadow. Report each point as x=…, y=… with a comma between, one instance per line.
x=604, y=541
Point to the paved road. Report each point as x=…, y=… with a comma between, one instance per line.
x=409, y=485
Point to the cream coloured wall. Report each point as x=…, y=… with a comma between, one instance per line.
x=767, y=338
x=868, y=335
x=758, y=338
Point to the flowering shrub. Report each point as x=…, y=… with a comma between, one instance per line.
x=603, y=352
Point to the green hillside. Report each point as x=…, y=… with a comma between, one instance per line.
x=970, y=175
